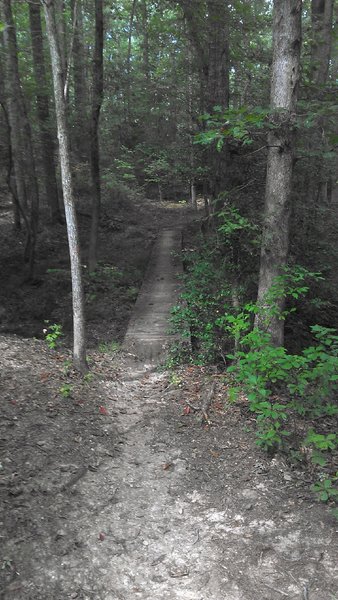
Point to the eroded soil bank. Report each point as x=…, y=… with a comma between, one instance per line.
x=116, y=488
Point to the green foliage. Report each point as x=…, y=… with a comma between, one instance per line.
x=205, y=294
x=88, y=377
x=278, y=384
x=231, y=222
x=158, y=169
x=105, y=277
x=53, y=334
x=308, y=382
x=236, y=124
x=206, y=305
x=66, y=390
x=326, y=490
x=109, y=347
x=175, y=380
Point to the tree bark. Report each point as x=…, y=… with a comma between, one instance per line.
x=21, y=139
x=208, y=28
x=62, y=37
x=95, y=147
x=145, y=40
x=321, y=17
x=42, y=102
x=79, y=347
x=218, y=67
x=10, y=174
x=81, y=117
x=281, y=142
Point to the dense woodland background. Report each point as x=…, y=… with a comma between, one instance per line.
x=186, y=101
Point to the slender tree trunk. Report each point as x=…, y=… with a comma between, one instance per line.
x=42, y=101
x=321, y=17
x=209, y=34
x=21, y=139
x=62, y=37
x=218, y=68
x=9, y=179
x=81, y=120
x=79, y=349
x=10, y=171
x=281, y=142
x=128, y=63
x=193, y=195
x=95, y=148
x=218, y=88
x=145, y=40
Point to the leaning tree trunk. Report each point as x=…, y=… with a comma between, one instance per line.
x=95, y=148
x=79, y=348
x=42, y=103
x=281, y=143
x=21, y=138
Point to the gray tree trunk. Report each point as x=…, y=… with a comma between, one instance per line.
x=21, y=139
x=208, y=29
x=79, y=348
x=42, y=102
x=321, y=17
x=81, y=117
x=281, y=142
x=10, y=173
x=95, y=147
x=145, y=40
x=62, y=37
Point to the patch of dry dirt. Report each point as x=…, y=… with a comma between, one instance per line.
x=122, y=491
x=127, y=485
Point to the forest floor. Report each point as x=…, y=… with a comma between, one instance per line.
x=114, y=486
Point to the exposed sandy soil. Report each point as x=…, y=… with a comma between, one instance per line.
x=117, y=488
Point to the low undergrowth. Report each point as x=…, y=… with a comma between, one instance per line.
x=293, y=396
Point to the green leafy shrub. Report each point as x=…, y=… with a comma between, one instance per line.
x=326, y=490
x=210, y=285
x=205, y=295
x=308, y=382
x=53, y=334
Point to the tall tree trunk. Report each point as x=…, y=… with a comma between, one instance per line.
x=62, y=37
x=95, y=148
x=218, y=67
x=128, y=63
x=79, y=348
x=321, y=35
x=218, y=88
x=81, y=120
x=10, y=173
x=145, y=40
x=321, y=17
x=209, y=34
x=21, y=139
x=42, y=102
x=9, y=178
x=281, y=142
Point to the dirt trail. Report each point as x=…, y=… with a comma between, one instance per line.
x=167, y=509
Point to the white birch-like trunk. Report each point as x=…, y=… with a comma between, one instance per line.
x=79, y=345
